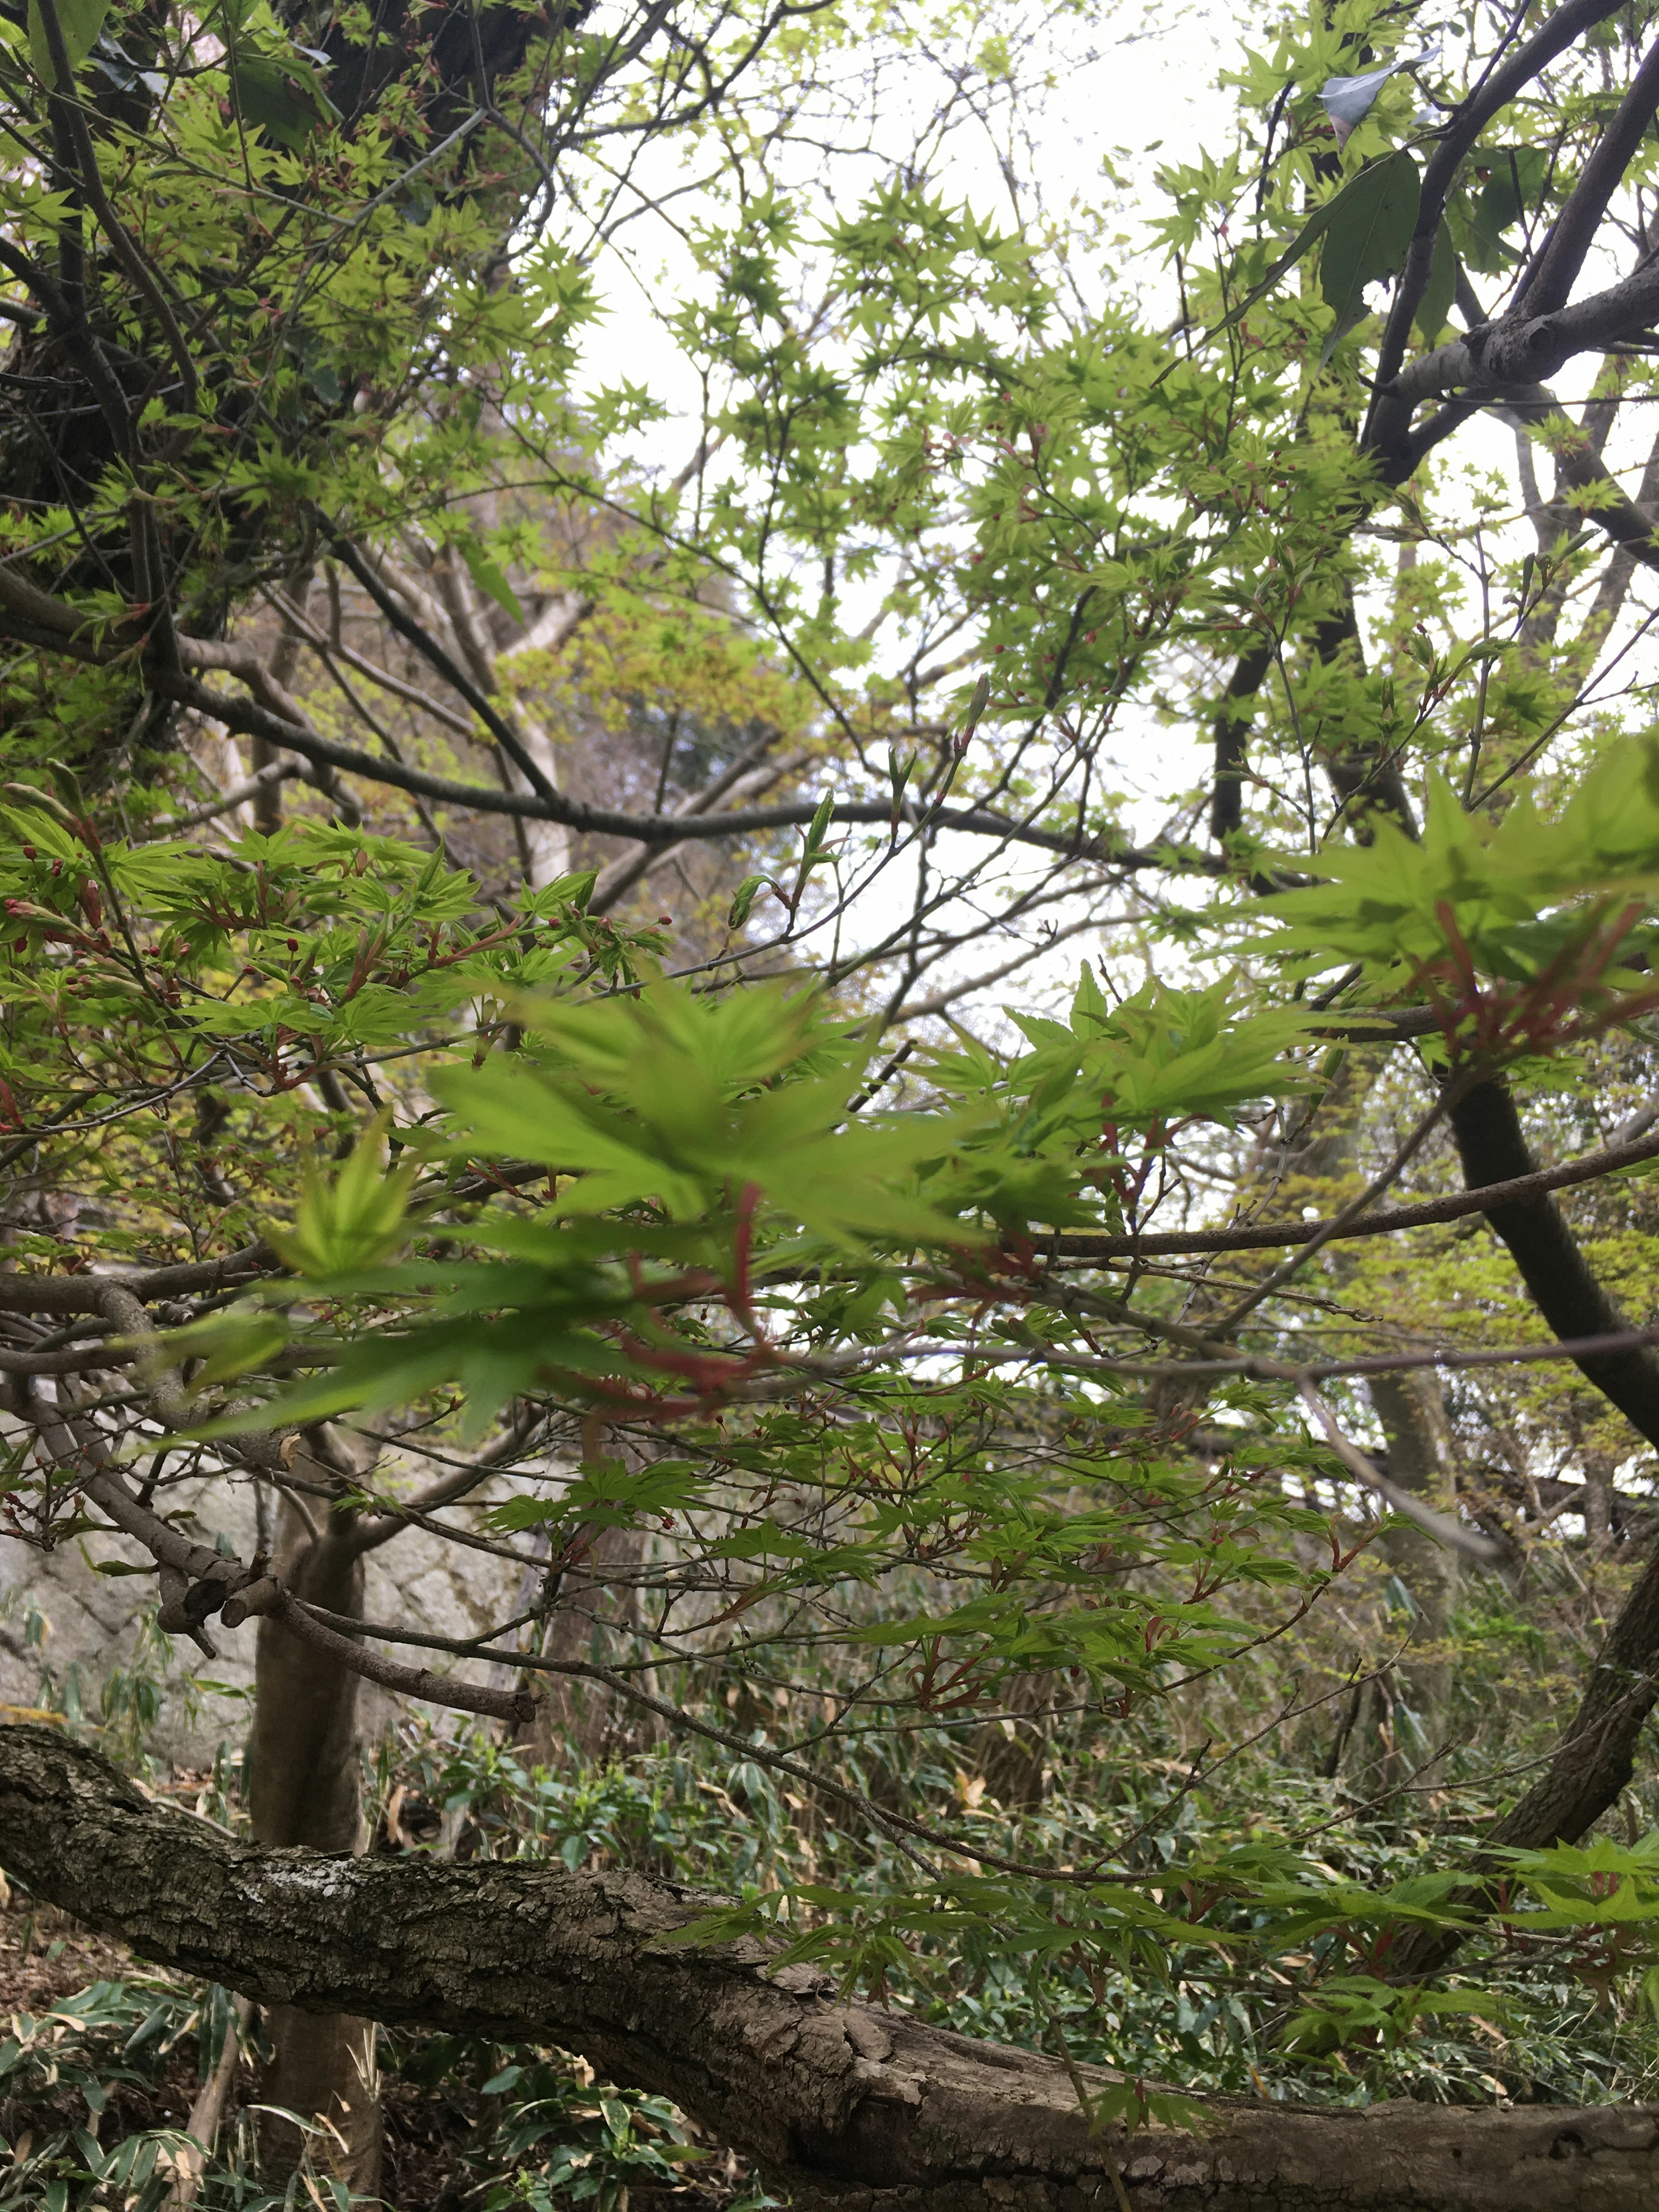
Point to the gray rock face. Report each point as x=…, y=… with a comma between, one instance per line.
x=64, y=1626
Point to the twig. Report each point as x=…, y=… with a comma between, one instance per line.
x=1612, y=1159
x=1440, y=1525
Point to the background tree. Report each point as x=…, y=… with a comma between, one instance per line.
x=845, y=1364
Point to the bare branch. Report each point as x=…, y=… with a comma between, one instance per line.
x=1440, y=1525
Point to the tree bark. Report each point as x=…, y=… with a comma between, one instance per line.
x=1597, y=1755
x=305, y=1790
x=1412, y=1409
x=842, y=2105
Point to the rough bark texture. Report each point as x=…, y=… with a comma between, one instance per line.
x=305, y=1790
x=842, y=2105
x=302, y=1756
x=1597, y=1756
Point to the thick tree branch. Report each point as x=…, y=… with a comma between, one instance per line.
x=1615, y=586
x=32, y=616
x=1562, y=1284
x=1390, y=419
x=1596, y=1757
x=843, y=2105
x=421, y=1682
x=1579, y=467
x=1231, y=738
x=196, y=1582
x=1494, y=360
x=746, y=777
x=144, y=282
x=85, y=1294
x=251, y=720
x=1548, y=284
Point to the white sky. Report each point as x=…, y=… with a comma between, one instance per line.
x=1149, y=95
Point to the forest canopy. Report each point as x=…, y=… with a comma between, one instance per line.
x=827, y=1090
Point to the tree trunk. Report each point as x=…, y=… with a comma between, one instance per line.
x=1412, y=1409
x=1013, y=1755
x=571, y=1714
x=842, y=2105
x=1598, y=1470
x=596, y=1599
x=1597, y=1755
x=1566, y=1290
x=303, y=1760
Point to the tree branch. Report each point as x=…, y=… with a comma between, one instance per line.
x=1231, y=736
x=1579, y=467
x=1560, y=1281
x=1492, y=360
x=1548, y=284
x=1480, y=1197
x=430, y=649
x=1390, y=418
x=843, y=2105
x=253, y=721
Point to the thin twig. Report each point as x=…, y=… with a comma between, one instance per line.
x=1440, y=1525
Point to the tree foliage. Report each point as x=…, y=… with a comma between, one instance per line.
x=953, y=1360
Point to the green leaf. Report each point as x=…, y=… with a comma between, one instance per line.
x=1337, y=213
x=607, y=1496
x=818, y=824
x=1512, y=887
x=1366, y=241
x=898, y=775
x=354, y=1220
x=1514, y=180
x=1135, y=2104
x=283, y=98
x=976, y=706
x=747, y=892
x=1441, y=289
x=321, y=374
x=652, y=1100
x=80, y=21
x=490, y=579
x=574, y=890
